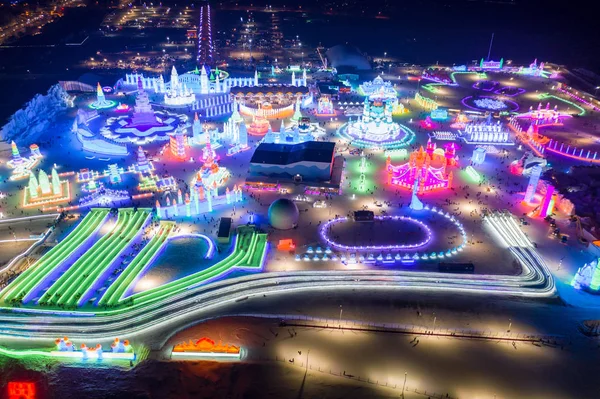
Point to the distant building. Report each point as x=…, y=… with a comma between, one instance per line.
x=345, y=55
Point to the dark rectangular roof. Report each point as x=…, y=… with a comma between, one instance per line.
x=269, y=89
x=285, y=154
x=224, y=227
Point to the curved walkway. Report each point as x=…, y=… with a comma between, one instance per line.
x=535, y=282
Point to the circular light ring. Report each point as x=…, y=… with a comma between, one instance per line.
x=423, y=255
x=105, y=105
x=409, y=137
x=510, y=104
x=334, y=244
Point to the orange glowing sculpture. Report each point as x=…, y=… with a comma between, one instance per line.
x=460, y=121
x=259, y=126
x=21, y=390
x=205, y=345
x=286, y=245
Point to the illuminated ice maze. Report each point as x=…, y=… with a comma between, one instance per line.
x=182, y=301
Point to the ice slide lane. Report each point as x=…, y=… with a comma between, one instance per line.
x=117, y=289
x=33, y=276
x=57, y=290
x=242, y=254
x=107, y=258
x=81, y=281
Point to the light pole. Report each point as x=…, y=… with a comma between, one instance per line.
x=307, y=353
x=434, y=319
x=404, y=385
x=509, y=325
x=596, y=92
x=250, y=50
x=341, y=310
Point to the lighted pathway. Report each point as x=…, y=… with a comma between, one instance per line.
x=535, y=282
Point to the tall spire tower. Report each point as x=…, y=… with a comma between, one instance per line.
x=100, y=94
x=16, y=155
x=204, y=83
x=205, y=42
x=174, y=79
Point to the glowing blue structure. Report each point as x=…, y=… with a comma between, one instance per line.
x=478, y=157
x=533, y=183
x=439, y=114
x=415, y=202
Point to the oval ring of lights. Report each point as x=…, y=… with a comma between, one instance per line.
x=510, y=106
x=417, y=255
x=324, y=227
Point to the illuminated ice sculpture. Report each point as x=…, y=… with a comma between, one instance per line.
x=547, y=206
x=415, y=202
x=325, y=106
x=375, y=125
x=588, y=276
x=491, y=65
x=144, y=125
x=298, y=133
x=197, y=201
x=544, y=116
x=178, y=143
x=533, y=183
x=101, y=101
x=20, y=165
x=534, y=70
x=259, y=126
x=425, y=102
x=376, y=85
x=43, y=190
x=439, y=114
x=211, y=175
x=178, y=93
x=478, y=157
x=199, y=134
x=428, y=167
x=486, y=133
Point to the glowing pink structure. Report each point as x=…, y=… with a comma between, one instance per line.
x=541, y=144
x=544, y=116
x=547, y=202
x=427, y=123
x=429, y=167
